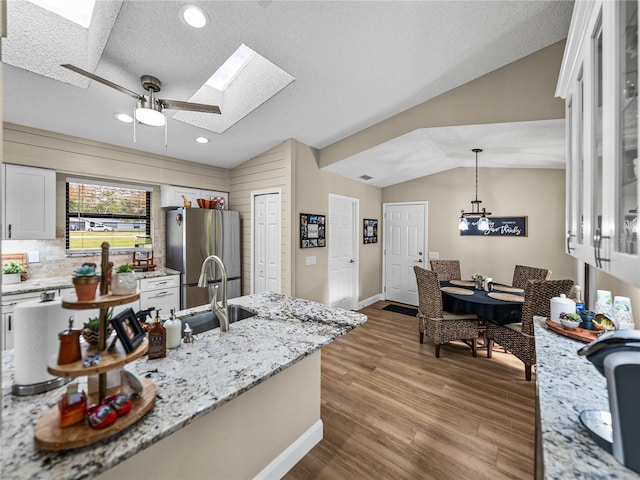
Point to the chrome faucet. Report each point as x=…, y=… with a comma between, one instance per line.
x=221, y=309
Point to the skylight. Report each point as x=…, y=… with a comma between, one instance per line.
x=77, y=11
x=230, y=68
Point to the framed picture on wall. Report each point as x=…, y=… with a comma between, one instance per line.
x=370, y=230
x=312, y=230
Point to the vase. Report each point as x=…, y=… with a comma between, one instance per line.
x=10, y=278
x=587, y=317
x=92, y=337
x=124, y=283
x=86, y=287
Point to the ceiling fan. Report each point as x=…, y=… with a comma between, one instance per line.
x=149, y=110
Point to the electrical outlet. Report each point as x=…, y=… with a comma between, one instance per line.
x=310, y=260
x=33, y=256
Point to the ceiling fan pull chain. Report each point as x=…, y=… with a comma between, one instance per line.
x=166, y=126
x=134, y=124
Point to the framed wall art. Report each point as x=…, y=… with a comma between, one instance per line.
x=499, y=227
x=370, y=230
x=312, y=230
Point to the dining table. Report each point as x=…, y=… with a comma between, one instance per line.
x=502, y=305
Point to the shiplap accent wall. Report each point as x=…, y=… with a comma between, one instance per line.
x=272, y=169
x=85, y=158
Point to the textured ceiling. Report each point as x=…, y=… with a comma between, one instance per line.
x=355, y=64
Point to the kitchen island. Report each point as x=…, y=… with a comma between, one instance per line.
x=567, y=384
x=205, y=389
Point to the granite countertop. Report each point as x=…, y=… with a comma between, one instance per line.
x=192, y=381
x=567, y=384
x=53, y=283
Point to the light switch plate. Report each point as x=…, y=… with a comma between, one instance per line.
x=33, y=256
x=310, y=260
x=434, y=255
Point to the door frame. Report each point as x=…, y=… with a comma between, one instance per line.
x=384, y=237
x=355, y=203
x=255, y=194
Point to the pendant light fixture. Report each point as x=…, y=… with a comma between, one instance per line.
x=483, y=221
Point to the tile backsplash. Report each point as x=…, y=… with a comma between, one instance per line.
x=54, y=262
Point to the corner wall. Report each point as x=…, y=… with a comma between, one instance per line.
x=535, y=193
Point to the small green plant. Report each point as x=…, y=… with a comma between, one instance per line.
x=572, y=317
x=13, y=267
x=94, y=323
x=476, y=277
x=85, y=271
x=127, y=267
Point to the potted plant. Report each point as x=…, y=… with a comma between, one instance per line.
x=85, y=281
x=11, y=272
x=91, y=328
x=124, y=280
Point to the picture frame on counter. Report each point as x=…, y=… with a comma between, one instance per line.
x=128, y=329
x=312, y=230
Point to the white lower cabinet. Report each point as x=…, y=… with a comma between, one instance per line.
x=161, y=293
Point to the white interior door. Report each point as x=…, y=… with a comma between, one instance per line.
x=266, y=242
x=404, y=246
x=343, y=252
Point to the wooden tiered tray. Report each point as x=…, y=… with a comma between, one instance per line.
x=49, y=435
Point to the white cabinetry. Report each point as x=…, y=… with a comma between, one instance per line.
x=599, y=82
x=29, y=203
x=160, y=293
x=9, y=303
x=172, y=196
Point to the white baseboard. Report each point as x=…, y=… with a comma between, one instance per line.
x=293, y=454
x=370, y=301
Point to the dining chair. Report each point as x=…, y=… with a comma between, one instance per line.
x=446, y=269
x=440, y=326
x=518, y=338
x=522, y=274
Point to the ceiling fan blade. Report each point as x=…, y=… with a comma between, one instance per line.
x=73, y=68
x=191, y=107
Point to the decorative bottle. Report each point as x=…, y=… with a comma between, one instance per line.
x=173, y=327
x=157, y=339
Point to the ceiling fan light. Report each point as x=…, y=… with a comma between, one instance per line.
x=151, y=117
x=194, y=16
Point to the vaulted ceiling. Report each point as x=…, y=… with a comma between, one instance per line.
x=353, y=63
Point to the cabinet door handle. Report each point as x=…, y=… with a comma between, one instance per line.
x=161, y=283
x=9, y=230
x=596, y=247
x=569, y=237
x=160, y=294
x=9, y=327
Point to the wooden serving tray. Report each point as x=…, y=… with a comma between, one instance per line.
x=579, y=333
x=49, y=435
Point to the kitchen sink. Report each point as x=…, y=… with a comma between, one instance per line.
x=201, y=322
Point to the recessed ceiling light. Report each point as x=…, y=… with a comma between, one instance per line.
x=194, y=16
x=202, y=140
x=123, y=117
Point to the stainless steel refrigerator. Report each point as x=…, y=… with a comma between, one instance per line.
x=192, y=234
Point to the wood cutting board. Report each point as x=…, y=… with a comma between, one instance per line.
x=581, y=334
x=16, y=257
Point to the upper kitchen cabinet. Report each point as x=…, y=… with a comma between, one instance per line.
x=173, y=196
x=599, y=82
x=29, y=203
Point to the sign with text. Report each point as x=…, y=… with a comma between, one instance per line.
x=499, y=227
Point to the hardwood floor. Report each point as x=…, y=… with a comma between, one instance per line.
x=391, y=410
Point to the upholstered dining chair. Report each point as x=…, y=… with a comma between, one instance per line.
x=440, y=326
x=522, y=274
x=518, y=338
x=446, y=269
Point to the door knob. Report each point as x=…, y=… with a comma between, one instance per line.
x=419, y=260
x=351, y=261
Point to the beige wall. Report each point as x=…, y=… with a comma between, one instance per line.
x=523, y=90
x=535, y=193
x=313, y=187
x=271, y=170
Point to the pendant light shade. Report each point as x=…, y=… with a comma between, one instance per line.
x=483, y=221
